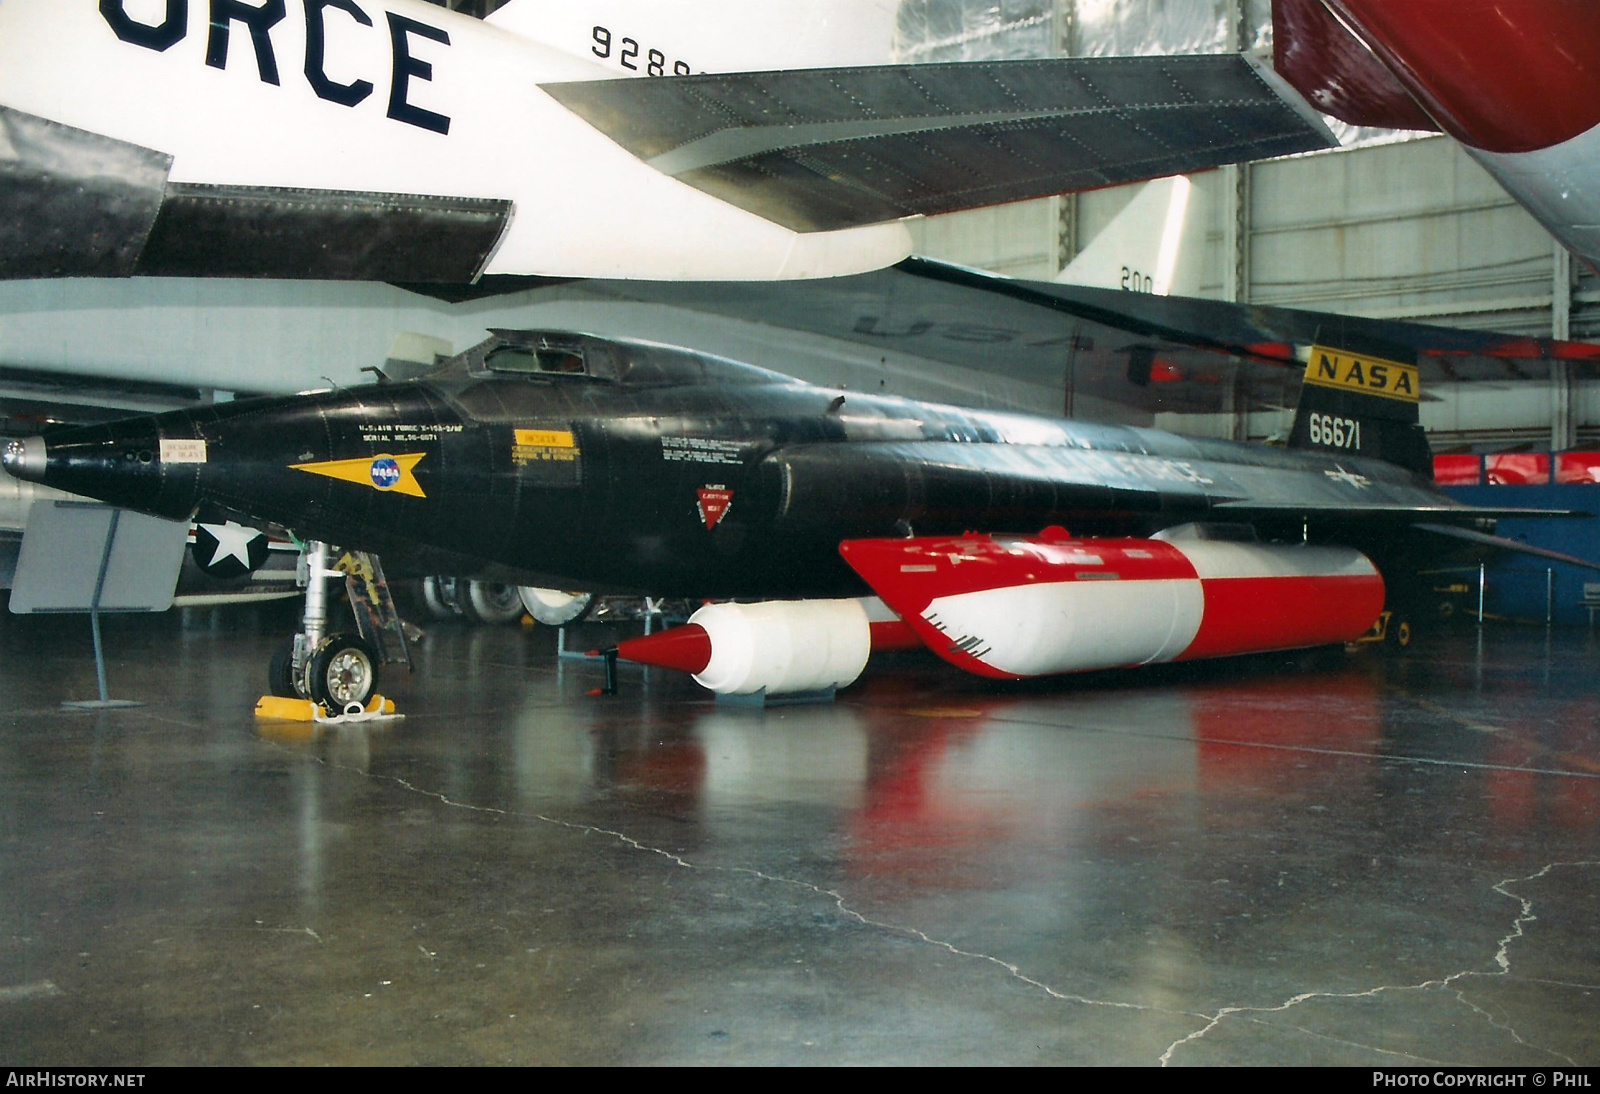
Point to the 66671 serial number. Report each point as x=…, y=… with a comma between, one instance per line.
x=1335, y=432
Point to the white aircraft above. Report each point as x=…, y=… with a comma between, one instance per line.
x=393, y=140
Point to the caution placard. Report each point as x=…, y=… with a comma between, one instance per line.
x=534, y=445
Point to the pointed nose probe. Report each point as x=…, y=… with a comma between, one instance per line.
x=24, y=458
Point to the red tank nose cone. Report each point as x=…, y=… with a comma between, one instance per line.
x=686, y=648
x=1501, y=75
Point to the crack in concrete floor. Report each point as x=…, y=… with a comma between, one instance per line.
x=1502, y=958
x=837, y=898
x=1212, y=1021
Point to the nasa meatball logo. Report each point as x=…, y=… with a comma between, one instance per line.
x=385, y=472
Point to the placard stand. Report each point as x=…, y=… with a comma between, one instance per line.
x=86, y=556
x=105, y=701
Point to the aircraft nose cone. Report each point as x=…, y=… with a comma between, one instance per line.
x=24, y=458
x=116, y=462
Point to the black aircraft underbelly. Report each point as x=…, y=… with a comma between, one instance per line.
x=722, y=481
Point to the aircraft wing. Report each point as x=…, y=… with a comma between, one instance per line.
x=1100, y=354
x=826, y=149
x=463, y=149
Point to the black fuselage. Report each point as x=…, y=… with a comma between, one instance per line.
x=675, y=474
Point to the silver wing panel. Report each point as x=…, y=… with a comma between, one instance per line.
x=824, y=149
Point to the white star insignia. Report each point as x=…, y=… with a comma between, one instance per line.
x=233, y=541
x=1360, y=482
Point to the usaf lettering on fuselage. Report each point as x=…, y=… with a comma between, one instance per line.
x=258, y=19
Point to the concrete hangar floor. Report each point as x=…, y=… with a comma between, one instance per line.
x=1324, y=858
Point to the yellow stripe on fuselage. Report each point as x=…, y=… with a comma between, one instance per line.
x=1369, y=375
x=373, y=471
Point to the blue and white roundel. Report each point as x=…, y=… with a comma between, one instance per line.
x=385, y=473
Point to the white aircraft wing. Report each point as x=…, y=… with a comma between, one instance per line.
x=413, y=144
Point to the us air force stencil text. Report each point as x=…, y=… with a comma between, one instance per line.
x=255, y=21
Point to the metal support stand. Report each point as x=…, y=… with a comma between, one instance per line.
x=1482, y=584
x=562, y=653
x=105, y=702
x=760, y=699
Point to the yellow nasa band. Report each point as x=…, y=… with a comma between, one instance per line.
x=1369, y=375
x=384, y=473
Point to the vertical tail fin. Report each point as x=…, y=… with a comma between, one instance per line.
x=1361, y=397
x=1152, y=246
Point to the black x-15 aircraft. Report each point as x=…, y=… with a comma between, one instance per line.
x=570, y=461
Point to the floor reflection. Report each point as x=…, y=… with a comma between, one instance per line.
x=519, y=872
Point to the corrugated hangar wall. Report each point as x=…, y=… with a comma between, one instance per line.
x=1393, y=225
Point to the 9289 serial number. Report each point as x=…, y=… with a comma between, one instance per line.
x=630, y=55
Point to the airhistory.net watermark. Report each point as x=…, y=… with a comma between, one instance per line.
x=53, y=1078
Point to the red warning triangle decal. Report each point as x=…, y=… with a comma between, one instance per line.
x=714, y=504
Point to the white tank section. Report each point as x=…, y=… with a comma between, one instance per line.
x=1220, y=559
x=784, y=646
x=1075, y=626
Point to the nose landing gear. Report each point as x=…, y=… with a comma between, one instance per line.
x=343, y=670
x=337, y=670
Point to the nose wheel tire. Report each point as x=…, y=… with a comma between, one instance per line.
x=343, y=670
x=280, y=672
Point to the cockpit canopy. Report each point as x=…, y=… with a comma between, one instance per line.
x=560, y=355
x=537, y=360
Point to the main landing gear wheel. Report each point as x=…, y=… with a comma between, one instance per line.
x=552, y=607
x=343, y=670
x=487, y=602
x=439, y=597
x=1399, y=633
